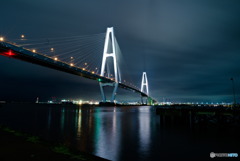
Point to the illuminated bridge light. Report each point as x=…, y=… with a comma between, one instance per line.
x=22, y=36
x=34, y=50
x=1, y=39
x=55, y=58
x=9, y=53
x=71, y=64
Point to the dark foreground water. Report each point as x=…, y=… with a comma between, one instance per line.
x=123, y=133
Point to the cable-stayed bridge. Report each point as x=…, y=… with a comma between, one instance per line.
x=79, y=55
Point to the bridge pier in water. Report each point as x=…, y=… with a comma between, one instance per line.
x=115, y=87
x=146, y=100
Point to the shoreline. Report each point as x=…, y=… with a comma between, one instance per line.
x=21, y=146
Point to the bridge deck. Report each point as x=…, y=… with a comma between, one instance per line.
x=12, y=50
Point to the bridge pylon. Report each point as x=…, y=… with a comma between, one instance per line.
x=144, y=90
x=109, y=51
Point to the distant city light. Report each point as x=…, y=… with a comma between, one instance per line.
x=34, y=50
x=55, y=58
x=80, y=102
x=50, y=101
x=71, y=57
x=85, y=63
x=93, y=72
x=71, y=64
x=83, y=68
x=77, y=102
x=1, y=39
x=52, y=49
x=22, y=36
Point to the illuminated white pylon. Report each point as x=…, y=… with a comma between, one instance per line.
x=144, y=83
x=110, y=51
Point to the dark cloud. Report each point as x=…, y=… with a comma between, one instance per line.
x=189, y=49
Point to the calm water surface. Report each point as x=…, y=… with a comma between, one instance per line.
x=121, y=133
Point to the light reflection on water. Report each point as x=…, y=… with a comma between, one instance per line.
x=117, y=133
x=144, y=130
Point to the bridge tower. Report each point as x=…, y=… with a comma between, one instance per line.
x=109, y=51
x=144, y=84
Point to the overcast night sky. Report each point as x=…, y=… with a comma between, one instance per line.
x=190, y=49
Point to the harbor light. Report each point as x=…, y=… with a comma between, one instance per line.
x=1, y=39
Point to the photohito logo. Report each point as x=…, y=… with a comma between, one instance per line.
x=213, y=155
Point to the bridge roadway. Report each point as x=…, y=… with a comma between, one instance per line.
x=14, y=51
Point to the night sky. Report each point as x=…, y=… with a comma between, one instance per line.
x=190, y=49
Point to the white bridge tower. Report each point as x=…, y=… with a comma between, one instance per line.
x=110, y=52
x=144, y=84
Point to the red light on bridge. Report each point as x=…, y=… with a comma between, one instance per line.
x=9, y=53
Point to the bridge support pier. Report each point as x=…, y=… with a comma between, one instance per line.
x=114, y=93
x=146, y=100
x=110, y=52
x=143, y=101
